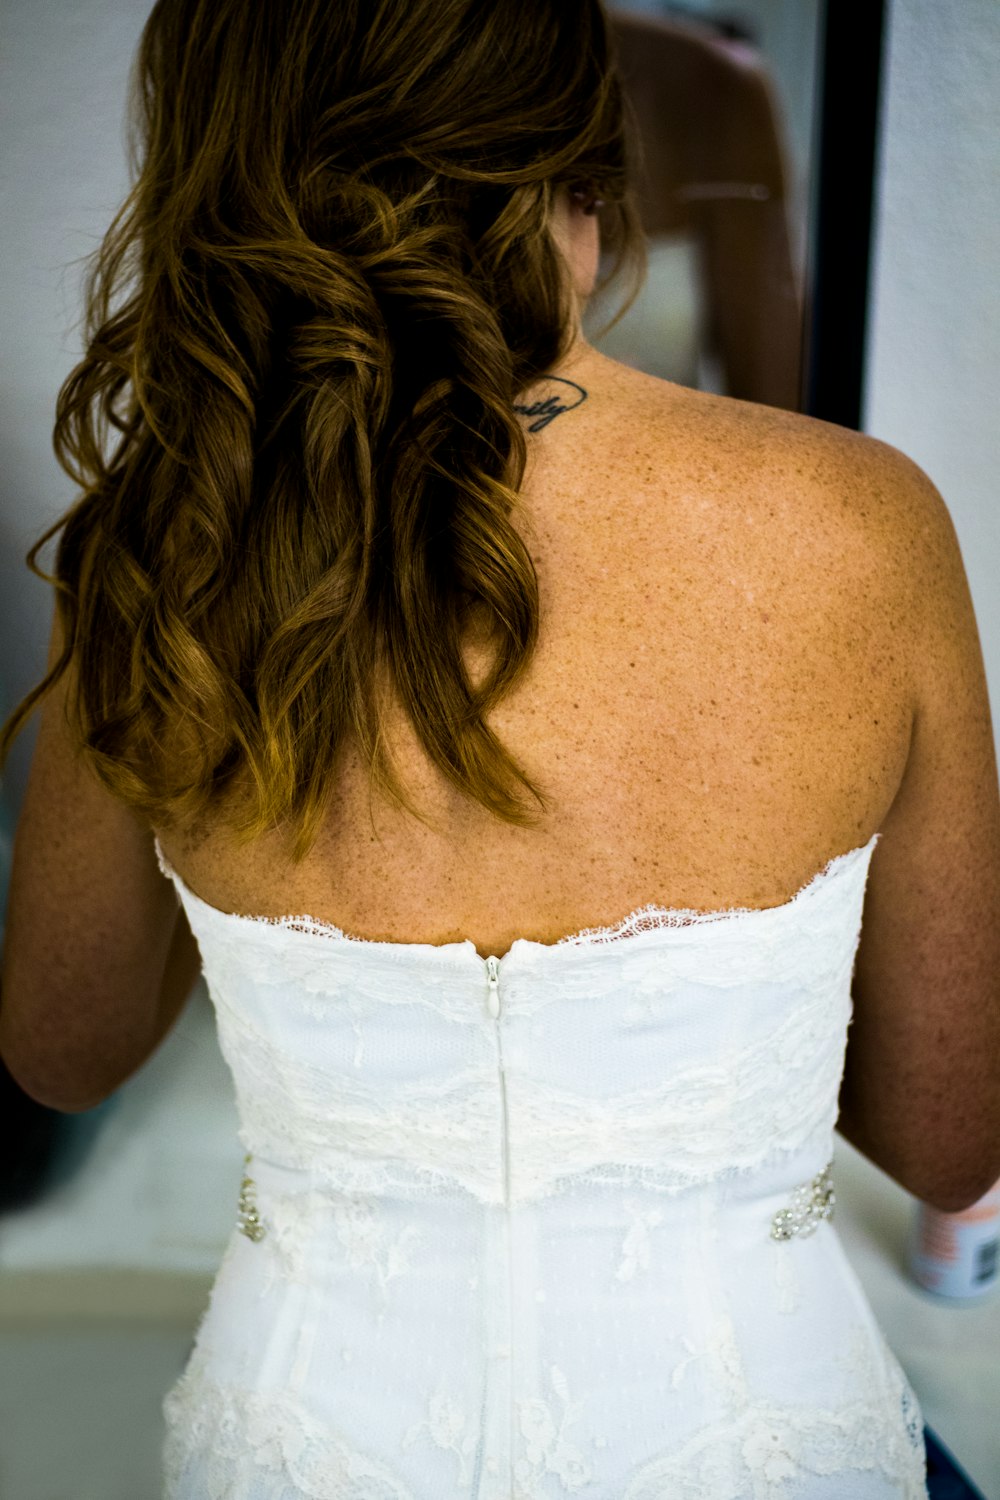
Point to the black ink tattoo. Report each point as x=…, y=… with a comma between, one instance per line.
x=549, y=407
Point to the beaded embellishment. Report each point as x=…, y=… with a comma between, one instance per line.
x=811, y=1202
x=249, y=1219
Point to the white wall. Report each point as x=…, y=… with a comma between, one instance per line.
x=933, y=360
x=62, y=90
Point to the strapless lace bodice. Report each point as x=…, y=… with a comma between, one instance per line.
x=552, y=1222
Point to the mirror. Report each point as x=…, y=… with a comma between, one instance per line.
x=724, y=100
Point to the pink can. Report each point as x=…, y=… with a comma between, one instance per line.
x=957, y=1256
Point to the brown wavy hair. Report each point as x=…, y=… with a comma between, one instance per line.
x=342, y=278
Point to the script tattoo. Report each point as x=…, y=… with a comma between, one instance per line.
x=547, y=408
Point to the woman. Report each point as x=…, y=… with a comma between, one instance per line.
x=538, y=1100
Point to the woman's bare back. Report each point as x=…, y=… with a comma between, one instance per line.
x=717, y=706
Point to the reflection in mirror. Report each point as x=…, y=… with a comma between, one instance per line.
x=723, y=108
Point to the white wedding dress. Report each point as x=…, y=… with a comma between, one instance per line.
x=556, y=1223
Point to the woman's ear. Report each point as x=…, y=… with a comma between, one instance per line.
x=576, y=230
x=585, y=198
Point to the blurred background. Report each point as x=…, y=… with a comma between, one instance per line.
x=820, y=189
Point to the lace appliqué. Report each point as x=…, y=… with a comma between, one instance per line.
x=221, y=1440
x=446, y=1423
x=772, y=1443
x=637, y=1244
x=812, y=1202
x=701, y=1122
x=547, y=1450
x=294, y=1220
x=363, y=1236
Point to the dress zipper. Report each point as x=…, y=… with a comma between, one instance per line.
x=493, y=1005
x=493, y=973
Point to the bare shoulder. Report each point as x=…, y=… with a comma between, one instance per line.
x=812, y=480
x=846, y=523
x=867, y=476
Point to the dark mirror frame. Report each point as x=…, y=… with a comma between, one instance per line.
x=849, y=70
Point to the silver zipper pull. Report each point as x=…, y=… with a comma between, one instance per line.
x=493, y=997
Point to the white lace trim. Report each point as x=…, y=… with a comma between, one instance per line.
x=225, y=1439
x=778, y=1445
x=236, y=1437
x=651, y=918
x=693, y=1125
x=647, y=918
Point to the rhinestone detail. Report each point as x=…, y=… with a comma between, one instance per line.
x=249, y=1219
x=810, y=1203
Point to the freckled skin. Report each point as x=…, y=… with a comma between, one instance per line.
x=720, y=700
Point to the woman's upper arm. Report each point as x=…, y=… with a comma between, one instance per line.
x=91, y=926
x=921, y=1088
